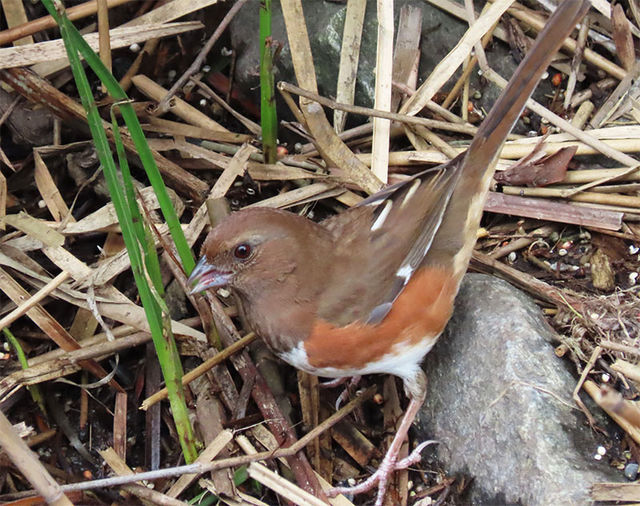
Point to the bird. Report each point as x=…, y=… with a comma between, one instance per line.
x=370, y=290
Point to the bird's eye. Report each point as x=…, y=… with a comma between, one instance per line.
x=242, y=251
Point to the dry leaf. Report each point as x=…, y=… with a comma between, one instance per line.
x=548, y=170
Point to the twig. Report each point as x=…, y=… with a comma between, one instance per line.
x=201, y=369
x=610, y=345
x=197, y=63
x=594, y=356
x=223, y=463
x=366, y=111
x=568, y=127
x=27, y=461
x=576, y=61
x=34, y=299
x=46, y=22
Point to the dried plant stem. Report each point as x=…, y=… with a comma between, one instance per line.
x=223, y=463
x=201, y=369
x=163, y=104
x=568, y=127
x=33, y=300
x=366, y=111
x=619, y=414
x=590, y=197
x=46, y=22
x=28, y=463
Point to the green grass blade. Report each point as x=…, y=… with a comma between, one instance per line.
x=268, y=115
x=155, y=311
x=34, y=391
x=137, y=135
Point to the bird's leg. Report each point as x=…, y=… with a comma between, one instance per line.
x=390, y=462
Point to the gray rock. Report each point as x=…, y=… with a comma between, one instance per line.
x=325, y=22
x=499, y=401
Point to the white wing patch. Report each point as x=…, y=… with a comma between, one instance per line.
x=382, y=216
x=412, y=189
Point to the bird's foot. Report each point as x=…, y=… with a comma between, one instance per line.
x=382, y=475
x=346, y=393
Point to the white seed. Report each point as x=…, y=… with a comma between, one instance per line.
x=597, y=456
x=223, y=292
x=605, y=377
x=512, y=256
x=41, y=204
x=562, y=252
x=351, y=482
x=601, y=450
x=203, y=102
x=134, y=48
x=206, y=69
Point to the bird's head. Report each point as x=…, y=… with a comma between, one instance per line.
x=253, y=249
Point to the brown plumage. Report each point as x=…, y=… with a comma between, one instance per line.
x=370, y=290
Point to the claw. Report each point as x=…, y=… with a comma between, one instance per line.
x=389, y=463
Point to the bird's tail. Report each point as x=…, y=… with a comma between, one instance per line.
x=456, y=235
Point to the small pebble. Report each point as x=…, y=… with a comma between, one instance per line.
x=597, y=456
x=562, y=252
x=512, y=256
x=351, y=482
x=134, y=48
x=224, y=293
x=42, y=204
x=601, y=450
x=605, y=379
x=631, y=471
x=203, y=102
x=206, y=69
x=545, y=76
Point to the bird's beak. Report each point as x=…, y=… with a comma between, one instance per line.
x=205, y=276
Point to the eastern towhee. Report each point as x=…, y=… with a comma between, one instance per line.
x=371, y=289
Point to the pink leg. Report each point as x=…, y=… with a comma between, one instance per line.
x=389, y=463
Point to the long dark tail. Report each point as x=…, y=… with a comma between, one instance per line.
x=456, y=236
